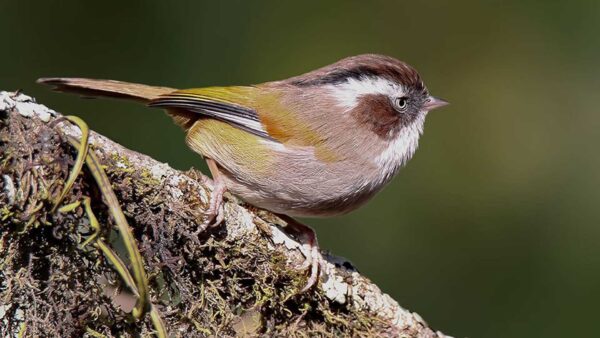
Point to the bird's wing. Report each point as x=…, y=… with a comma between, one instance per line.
x=233, y=105
x=248, y=129
x=263, y=112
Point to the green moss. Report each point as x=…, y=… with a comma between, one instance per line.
x=147, y=178
x=5, y=213
x=203, y=283
x=120, y=164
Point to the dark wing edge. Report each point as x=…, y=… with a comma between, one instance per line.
x=238, y=116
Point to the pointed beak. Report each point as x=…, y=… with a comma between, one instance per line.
x=434, y=102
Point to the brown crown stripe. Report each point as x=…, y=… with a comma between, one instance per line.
x=363, y=66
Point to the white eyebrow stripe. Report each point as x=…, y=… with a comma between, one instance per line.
x=348, y=92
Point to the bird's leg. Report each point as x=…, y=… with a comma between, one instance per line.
x=310, y=249
x=214, y=214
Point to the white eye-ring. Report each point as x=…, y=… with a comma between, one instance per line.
x=401, y=102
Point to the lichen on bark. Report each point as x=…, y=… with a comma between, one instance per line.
x=233, y=280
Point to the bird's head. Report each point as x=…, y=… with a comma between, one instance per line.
x=383, y=93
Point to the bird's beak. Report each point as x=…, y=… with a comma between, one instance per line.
x=434, y=102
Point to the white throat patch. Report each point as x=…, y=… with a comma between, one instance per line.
x=400, y=150
x=404, y=145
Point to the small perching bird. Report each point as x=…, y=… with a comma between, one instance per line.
x=319, y=144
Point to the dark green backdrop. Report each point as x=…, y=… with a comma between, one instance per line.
x=491, y=231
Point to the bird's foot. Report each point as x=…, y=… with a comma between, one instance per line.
x=214, y=215
x=310, y=249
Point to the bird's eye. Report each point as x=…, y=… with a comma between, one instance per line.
x=401, y=102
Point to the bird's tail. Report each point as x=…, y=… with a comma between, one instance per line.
x=123, y=90
x=106, y=88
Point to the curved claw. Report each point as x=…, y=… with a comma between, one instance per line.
x=214, y=215
x=82, y=152
x=314, y=262
x=310, y=250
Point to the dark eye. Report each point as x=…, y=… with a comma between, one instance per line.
x=401, y=102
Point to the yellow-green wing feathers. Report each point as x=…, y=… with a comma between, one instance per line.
x=236, y=95
x=260, y=111
x=233, y=149
x=227, y=104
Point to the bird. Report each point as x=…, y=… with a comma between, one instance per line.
x=319, y=144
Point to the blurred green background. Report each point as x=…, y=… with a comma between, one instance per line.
x=491, y=230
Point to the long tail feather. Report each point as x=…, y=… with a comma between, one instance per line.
x=123, y=90
x=106, y=88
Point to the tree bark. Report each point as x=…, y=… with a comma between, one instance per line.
x=231, y=280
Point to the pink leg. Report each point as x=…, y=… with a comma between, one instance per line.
x=311, y=252
x=310, y=247
x=214, y=214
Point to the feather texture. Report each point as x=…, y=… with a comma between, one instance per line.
x=106, y=88
x=319, y=144
x=227, y=104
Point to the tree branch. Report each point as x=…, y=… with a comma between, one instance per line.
x=232, y=280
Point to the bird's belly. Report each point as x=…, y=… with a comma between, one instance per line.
x=308, y=192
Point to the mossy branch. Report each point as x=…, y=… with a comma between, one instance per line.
x=229, y=281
